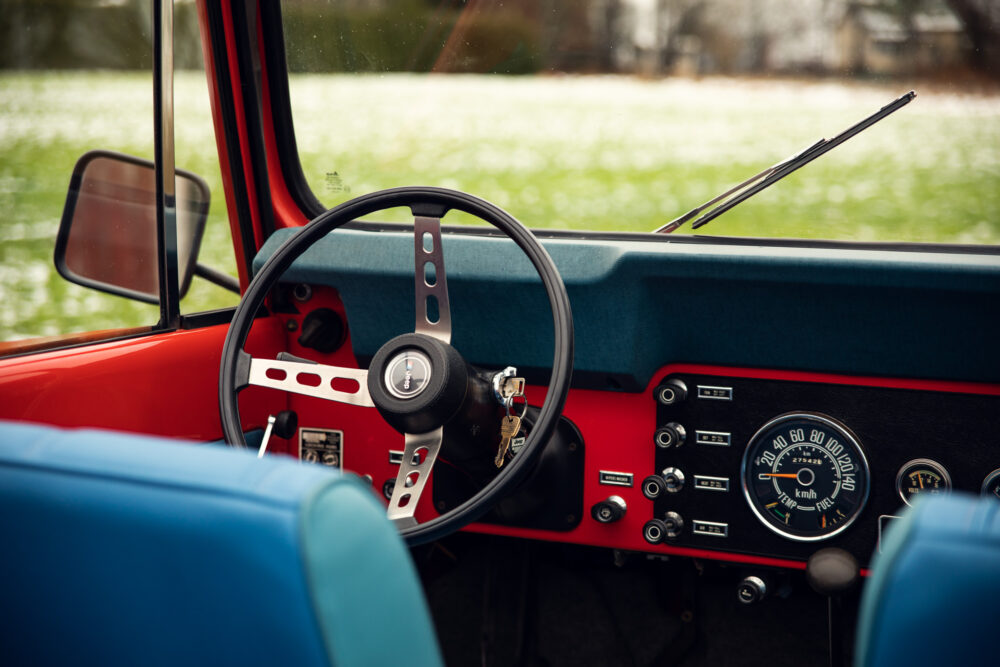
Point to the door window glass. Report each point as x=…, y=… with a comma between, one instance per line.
x=76, y=77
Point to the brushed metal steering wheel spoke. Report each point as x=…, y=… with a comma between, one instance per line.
x=419, y=453
x=429, y=280
x=312, y=379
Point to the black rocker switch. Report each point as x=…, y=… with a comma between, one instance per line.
x=609, y=510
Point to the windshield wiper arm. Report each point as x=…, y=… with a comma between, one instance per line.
x=775, y=173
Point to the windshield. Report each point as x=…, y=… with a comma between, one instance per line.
x=621, y=115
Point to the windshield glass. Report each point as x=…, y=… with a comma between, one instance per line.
x=621, y=115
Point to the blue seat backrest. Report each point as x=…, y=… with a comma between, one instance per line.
x=124, y=549
x=933, y=597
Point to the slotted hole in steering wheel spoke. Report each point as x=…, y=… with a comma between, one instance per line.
x=428, y=242
x=433, y=314
x=276, y=374
x=420, y=455
x=309, y=379
x=404, y=500
x=346, y=385
x=411, y=479
x=430, y=274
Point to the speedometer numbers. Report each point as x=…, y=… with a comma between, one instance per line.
x=805, y=476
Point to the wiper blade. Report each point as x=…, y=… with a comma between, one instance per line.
x=775, y=173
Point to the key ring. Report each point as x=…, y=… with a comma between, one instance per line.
x=509, y=402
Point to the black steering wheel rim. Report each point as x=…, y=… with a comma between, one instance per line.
x=422, y=201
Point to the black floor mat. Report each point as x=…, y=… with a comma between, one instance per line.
x=499, y=601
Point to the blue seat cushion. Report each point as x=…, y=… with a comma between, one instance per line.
x=124, y=549
x=934, y=594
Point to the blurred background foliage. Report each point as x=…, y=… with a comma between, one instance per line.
x=828, y=37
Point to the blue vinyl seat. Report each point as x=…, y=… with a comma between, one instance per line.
x=123, y=549
x=934, y=594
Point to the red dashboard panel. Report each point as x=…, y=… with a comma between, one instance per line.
x=617, y=430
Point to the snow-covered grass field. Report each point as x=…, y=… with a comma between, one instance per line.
x=582, y=152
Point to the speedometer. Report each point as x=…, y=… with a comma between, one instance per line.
x=805, y=476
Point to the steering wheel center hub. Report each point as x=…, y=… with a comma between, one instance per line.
x=407, y=374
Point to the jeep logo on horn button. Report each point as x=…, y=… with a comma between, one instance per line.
x=407, y=374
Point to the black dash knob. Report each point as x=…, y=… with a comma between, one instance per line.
x=322, y=330
x=609, y=510
x=670, y=435
x=752, y=589
x=286, y=423
x=653, y=487
x=832, y=571
x=670, y=392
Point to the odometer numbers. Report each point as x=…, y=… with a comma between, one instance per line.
x=805, y=476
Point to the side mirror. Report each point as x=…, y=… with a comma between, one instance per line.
x=107, y=237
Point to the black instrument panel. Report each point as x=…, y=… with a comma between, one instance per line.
x=720, y=415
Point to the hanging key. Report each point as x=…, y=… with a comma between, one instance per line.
x=509, y=426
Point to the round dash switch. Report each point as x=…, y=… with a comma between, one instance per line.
x=609, y=510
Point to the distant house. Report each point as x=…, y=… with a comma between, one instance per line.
x=874, y=41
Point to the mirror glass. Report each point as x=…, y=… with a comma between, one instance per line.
x=107, y=238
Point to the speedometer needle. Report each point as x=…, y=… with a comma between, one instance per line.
x=789, y=475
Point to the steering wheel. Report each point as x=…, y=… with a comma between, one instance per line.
x=418, y=382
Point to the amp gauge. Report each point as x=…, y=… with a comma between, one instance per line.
x=991, y=485
x=921, y=476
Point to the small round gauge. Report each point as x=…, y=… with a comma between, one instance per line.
x=921, y=476
x=991, y=485
x=805, y=476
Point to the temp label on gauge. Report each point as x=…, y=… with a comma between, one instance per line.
x=323, y=446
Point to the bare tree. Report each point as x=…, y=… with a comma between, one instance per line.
x=981, y=20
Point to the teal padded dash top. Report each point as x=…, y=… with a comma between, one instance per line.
x=128, y=550
x=643, y=303
x=933, y=595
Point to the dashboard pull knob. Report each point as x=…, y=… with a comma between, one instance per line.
x=670, y=435
x=609, y=510
x=752, y=589
x=670, y=392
